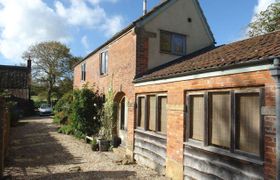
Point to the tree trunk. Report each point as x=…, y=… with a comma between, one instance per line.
x=49, y=96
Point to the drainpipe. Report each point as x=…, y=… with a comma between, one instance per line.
x=275, y=72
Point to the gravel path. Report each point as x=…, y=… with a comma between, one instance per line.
x=37, y=151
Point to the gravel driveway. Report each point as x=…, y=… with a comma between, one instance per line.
x=37, y=151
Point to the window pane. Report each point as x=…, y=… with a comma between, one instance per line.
x=82, y=72
x=220, y=118
x=248, y=123
x=197, y=117
x=106, y=62
x=178, y=44
x=141, y=112
x=122, y=113
x=162, y=114
x=152, y=113
x=165, y=41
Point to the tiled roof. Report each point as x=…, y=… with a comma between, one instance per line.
x=256, y=49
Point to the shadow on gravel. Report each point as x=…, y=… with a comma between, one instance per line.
x=87, y=175
x=32, y=145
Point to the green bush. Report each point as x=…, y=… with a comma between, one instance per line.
x=66, y=129
x=63, y=109
x=108, y=116
x=85, y=116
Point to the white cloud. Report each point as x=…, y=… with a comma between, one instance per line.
x=80, y=13
x=85, y=42
x=25, y=22
x=88, y=13
x=112, y=25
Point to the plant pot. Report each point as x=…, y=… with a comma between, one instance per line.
x=95, y=147
x=104, y=145
x=116, y=141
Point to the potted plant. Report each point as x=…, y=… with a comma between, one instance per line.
x=108, y=121
x=94, y=145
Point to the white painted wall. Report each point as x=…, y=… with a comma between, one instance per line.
x=175, y=19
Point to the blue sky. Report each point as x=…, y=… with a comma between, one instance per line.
x=83, y=25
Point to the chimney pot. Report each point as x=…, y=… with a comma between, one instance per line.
x=144, y=7
x=29, y=63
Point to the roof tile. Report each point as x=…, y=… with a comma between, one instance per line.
x=257, y=48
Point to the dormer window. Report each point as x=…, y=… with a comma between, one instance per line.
x=83, y=72
x=172, y=43
x=104, y=63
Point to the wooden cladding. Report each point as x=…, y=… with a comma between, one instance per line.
x=229, y=119
x=152, y=113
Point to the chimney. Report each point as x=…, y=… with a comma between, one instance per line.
x=144, y=7
x=29, y=63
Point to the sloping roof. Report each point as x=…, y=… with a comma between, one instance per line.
x=256, y=49
x=132, y=25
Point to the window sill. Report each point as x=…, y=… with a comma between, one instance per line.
x=158, y=135
x=103, y=75
x=170, y=53
x=223, y=152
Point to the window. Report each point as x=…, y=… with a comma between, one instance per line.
x=162, y=115
x=219, y=113
x=122, y=114
x=172, y=43
x=248, y=123
x=230, y=120
x=83, y=72
x=104, y=63
x=141, y=112
x=152, y=113
x=197, y=117
x=155, y=108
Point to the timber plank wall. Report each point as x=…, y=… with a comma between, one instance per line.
x=199, y=164
x=150, y=150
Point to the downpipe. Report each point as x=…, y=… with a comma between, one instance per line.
x=275, y=72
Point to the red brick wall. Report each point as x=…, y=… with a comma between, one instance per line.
x=121, y=72
x=175, y=125
x=142, y=53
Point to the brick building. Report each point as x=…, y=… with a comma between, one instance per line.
x=187, y=108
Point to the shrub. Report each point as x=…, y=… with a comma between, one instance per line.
x=85, y=116
x=66, y=129
x=63, y=109
x=108, y=116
